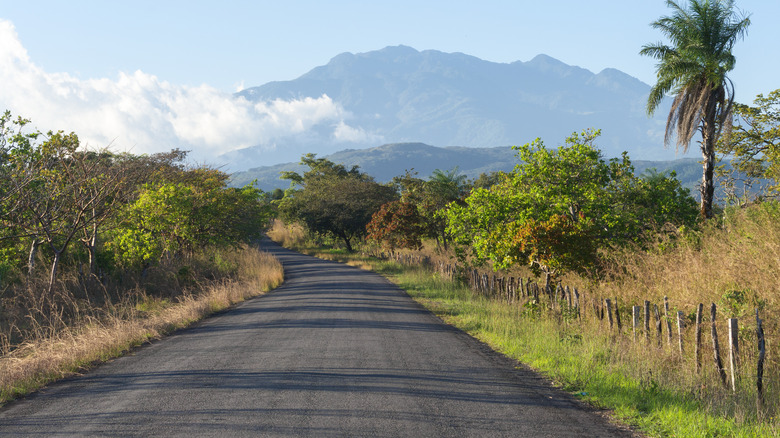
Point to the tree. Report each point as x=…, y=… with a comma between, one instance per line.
x=487, y=180
x=173, y=219
x=558, y=207
x=755, y=141
x=694, y=68
x=397, y=224
x=331, y=200
x=430, y=197
x=60, y=193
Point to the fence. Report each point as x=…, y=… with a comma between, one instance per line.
x=647, y=323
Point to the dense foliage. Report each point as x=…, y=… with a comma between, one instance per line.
x=754, y=144
x=558, y=207
x=397, y=224
x=331, y=200
x=694, y=68
x=429, y=198
x=60, y=202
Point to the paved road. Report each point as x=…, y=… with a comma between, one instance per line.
x=335, y=351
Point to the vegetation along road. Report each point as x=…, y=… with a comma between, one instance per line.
x=335, y=351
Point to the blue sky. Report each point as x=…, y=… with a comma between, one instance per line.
x=195, y=52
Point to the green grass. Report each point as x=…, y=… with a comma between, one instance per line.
x=591, y=365
x=650, y=388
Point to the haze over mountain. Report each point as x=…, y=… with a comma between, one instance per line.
x=391, y=160
x=399, y=94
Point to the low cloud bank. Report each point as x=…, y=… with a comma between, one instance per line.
x=140, y=113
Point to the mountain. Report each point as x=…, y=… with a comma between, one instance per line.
x=390, y=160
x=399, y=94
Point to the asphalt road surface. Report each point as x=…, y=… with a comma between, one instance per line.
x=335, y=351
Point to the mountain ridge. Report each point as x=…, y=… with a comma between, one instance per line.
x=399, y=94
x=390, y=160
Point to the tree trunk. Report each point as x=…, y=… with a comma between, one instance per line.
x=31, y=257
x=707, y=183
x=347, y=242
x=709, y=137
x=54, y=265
x=91, y=243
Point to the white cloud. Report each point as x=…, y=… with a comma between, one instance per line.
x=143, y=114
x=346, y=133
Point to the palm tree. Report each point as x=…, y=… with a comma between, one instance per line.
x=694, y=69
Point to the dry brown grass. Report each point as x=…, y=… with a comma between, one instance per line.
x=742, y=255
x=289, y=236
x=734, y=264
x=55, y=353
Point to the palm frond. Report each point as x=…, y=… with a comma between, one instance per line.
x=694, y=66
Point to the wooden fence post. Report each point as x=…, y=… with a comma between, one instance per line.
x=716, y=346
x=609, y=312
x=577, y=301
x=617, y=316
x=680, y=328
x=760, y=370
x=699, y=311
x=513, y=288
x=734, y=351
x=668, y=321
x=635, y=320
x=647, y=320
x=657, y=323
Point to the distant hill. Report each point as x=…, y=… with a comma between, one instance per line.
x=399, y=95
x=390, y=160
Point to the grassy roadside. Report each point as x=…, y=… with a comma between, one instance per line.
x=609, y=373
x=72, y=350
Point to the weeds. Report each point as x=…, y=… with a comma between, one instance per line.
x=648, y=384
x=67, y=333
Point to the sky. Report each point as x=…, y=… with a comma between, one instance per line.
x=146, y=76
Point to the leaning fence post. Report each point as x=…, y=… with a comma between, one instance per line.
x=734, y=350
x=699, y=311
x=617, y=315
x=657, y=323
x=716, y=346
x=680, y=328
x=760, y=370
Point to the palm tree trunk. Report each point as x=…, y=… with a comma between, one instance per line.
x=708, y=154
x=708, y=184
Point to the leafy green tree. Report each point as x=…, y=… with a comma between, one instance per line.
x=755, y=140
x=486, y=180
x=331, y=200
x=60, y=192
x=178, y=219
x=558, y=207
x=694, y=68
